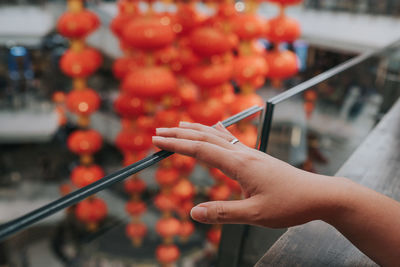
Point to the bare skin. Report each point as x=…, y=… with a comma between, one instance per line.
x=278, y=195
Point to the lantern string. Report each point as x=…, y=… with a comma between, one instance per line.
x=45, y=211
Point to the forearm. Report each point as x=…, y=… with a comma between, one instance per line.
x=371, y=221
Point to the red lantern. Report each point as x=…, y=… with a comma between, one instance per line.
x=166, y=55
x=165, y=202
x=286, y=2
x=167, y=254
x=183, y=163
x=207, y=112
x=129, y=106
x=84, y=142
x=91, y=211
x=247, y=134
x=209, y=75
x=184, y=208
x=124, y=65
x=58, y=97
x=167, y=176
x=119, y=22
x=84, y=175
x=131, y=157
x=208, y=41
x=214, y=235
x=184, y=190
x=227, y=10
x=220, y=192
x=149, y=32
x=127, y=7
x=248, y=26
x=250, y=69
x=133, y=140
x=187, y=18
x=167, y=118
x=245, y=101
x=152, y=82
x=134, y=186
x=136, y=231
x=80, y=64
x=77, y=24
x=83, y=102
x=283, y=29
x=187, y=228
x=168, y=227
x=282, y=64
x=135, y=208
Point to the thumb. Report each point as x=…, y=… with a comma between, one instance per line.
x=234, y=211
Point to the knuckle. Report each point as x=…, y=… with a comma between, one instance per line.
x=220, y=214
x=197, y=149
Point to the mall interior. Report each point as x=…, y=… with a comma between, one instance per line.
x=84, y=84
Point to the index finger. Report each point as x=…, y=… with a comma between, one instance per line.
x=213, y=155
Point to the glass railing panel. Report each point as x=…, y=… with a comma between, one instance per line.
x=62, y=240
x=318, y=124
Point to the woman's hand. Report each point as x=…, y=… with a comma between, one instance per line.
x=276, y=194
x=279, y=195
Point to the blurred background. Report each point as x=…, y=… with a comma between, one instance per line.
x=84, y=84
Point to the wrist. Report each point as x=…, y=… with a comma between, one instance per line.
x=338, y=200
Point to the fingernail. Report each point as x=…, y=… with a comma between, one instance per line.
x=184, y=123
x=161, y=130
x=157, y=138
x=220, y=124
x=199, y=213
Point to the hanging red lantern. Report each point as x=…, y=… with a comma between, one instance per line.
x=184, y=164
x=129, y=106
x=245, y=101
x=166, y=55
x=247, y=134
x=282, y=64
x=250, y=69
x=80, y=64
x=134, y=186
x=209, y=75
x=167, y=254
x=168, y=227
x=77, y=24
x=184, y=190
x=227, y=10
x=248, y=26
x=149, y=32
x=186, y=230
x=84, y=142
x=142, y=82
x=136, y=231
x=167, y=118
x=58, y=97
x=208, y=41
x=135, y=208
x=165, y=202
x=83, y=102
x=207, y=112
x=283, y=29
x=85, y=175
x=91, y=211
x=124, y=65
x=166, y=176
x=187, y=18
x=214, y=235
x=286, y=2
x=119, y=22
x=133, y=140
